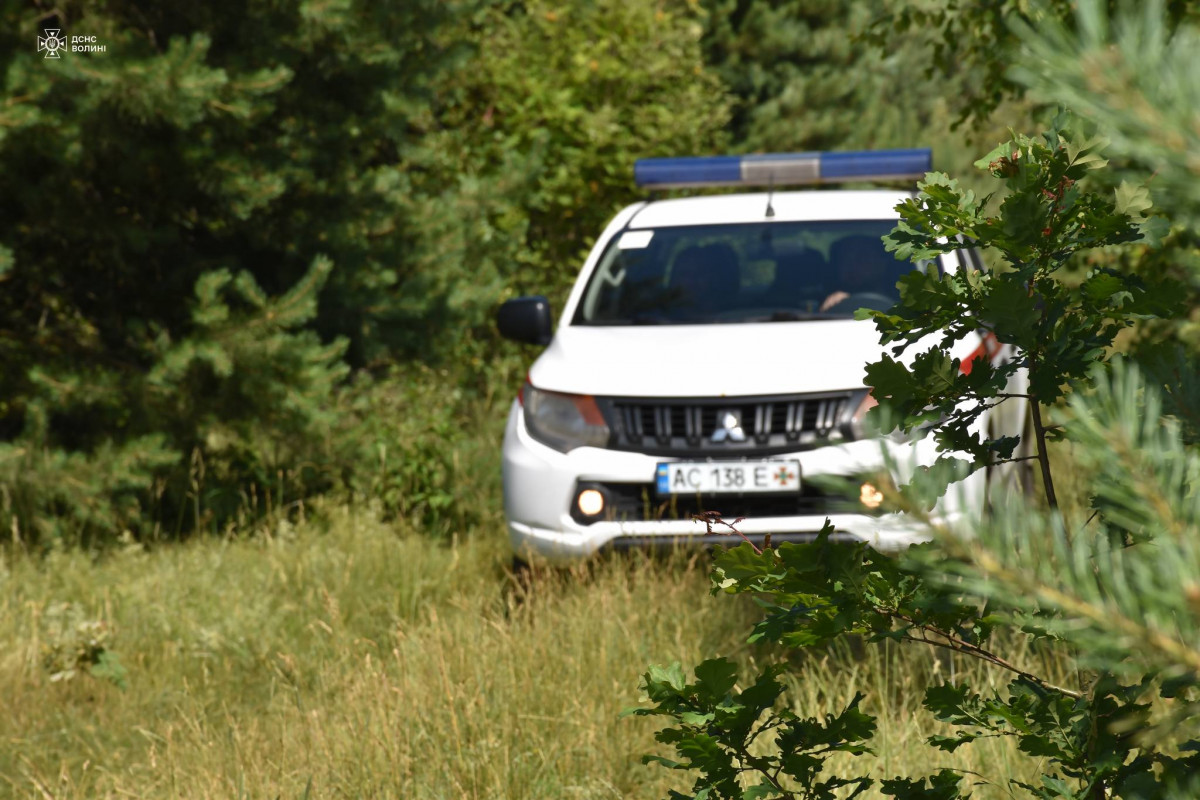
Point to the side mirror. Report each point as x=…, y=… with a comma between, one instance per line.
x=525, y=319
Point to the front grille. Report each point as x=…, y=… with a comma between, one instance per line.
x=637, y=502
x=725, y=426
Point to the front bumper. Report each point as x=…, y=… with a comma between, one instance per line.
x=540, y=486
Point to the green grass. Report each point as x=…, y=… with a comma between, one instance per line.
x=344, y=657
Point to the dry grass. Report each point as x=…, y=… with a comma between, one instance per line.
x=345, y=658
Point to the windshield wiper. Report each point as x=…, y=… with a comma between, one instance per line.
x=794, y=316
x=643, y=318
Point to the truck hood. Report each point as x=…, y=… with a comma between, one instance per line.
x=708, y=360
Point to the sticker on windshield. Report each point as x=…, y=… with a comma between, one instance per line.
x=634, y=240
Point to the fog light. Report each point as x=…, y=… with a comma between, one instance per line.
x=590, y=502
x=869, y=496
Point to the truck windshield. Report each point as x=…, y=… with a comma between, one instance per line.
x=757, y=272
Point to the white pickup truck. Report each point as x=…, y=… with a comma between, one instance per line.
x=708, y=359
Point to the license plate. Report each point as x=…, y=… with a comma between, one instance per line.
x=727, y=477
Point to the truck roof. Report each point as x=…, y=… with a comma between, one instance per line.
x=802, y=206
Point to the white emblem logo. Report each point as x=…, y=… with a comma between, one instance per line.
x=51, y=43
x=54, y=43
x=729, y=426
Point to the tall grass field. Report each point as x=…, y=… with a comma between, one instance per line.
x=345, y=657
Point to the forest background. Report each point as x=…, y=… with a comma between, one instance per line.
x=248, y=263
x=251, y=256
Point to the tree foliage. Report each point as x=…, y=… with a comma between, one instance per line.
x=816, y=593
x=231, y=239
x=1126, y=726
x=171, y=212
x=559, y=101
x=1132, y=73
x=1119, y=589
x=802, y=78
x=976, y=42
x=1045, y=218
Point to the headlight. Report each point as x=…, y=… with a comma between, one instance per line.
x=564, y=421
x=852, y=419
x=870, y=495
x=878, y=493
x=854, y=426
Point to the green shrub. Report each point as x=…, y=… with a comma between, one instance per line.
x=1120, y=592
x=206, y=228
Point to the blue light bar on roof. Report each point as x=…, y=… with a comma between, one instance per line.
x=783, y=169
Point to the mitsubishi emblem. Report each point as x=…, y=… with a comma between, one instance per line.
x=729, y=426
